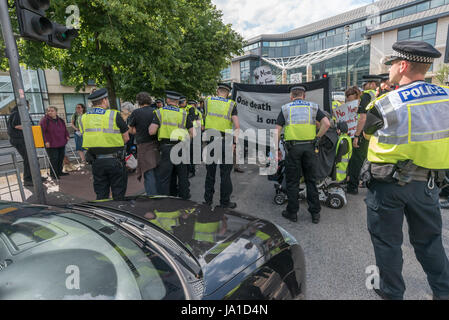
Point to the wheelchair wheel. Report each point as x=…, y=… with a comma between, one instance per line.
x=335, y=201
x=279, y=199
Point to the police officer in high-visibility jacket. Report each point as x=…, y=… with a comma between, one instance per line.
x=408, y=150
x=172, y=125
x=104, y=136
x=344, y=151
x=335, y=105
x=221, y=115
x=298, y=118
x=360, y=144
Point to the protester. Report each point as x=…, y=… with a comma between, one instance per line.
x=15, y=133
x=126, y=110
x=56, y=136
x=75, y=123
x=352, y=93
x=147, y=146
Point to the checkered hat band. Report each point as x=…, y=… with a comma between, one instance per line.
x=413, y=58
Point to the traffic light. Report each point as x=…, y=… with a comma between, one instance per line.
x=34, y=25
x=325, y=75
x=61, y=37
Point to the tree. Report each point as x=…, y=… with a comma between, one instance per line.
x=442, y=75
x=140, y=45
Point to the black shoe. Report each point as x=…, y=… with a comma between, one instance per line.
x=444, y=204
x=382, y=294
x=62, y=174
x=351, y=191
x=289, y=216
x=208, y=203
x=237, y=169
x=28, y=183
x=230, y=205
x=316, y=218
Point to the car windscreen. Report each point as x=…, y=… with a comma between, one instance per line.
x=69, y=255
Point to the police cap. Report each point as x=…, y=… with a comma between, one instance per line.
x=182, y=98
x=225, y=86
x=192, y=102
x=384, y=77
x=413, y=51
x=371, y=78
x=297, y=87
x=173, y=95
x=159, y=100
x=98, y=95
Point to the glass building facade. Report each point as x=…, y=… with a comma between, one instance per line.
x=35, y=91
x=357, y=62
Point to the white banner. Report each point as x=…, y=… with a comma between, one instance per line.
x=264, y=75
x=259, y=106
x=348, y=113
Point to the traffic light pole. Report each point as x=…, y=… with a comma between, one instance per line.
x=19, y=92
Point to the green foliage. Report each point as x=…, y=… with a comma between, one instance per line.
x=443, y=74
x=140, y=45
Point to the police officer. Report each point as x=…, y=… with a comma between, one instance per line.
x=298, y=118
x=385, y=85
x=104, y=136
x=159, y=103
x=359, y=142
x=409, y=148
x=221, y=115
x=344, y=151
x=172, y=125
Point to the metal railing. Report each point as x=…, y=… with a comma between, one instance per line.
x=35, y=117
x=7, y=173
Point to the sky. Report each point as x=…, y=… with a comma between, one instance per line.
x=254, y=17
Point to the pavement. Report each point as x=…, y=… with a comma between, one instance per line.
x=338, y=250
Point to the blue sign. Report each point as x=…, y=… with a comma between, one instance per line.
x=220, y=99
x=422, y=90
x=97, y=111
x=300, y=103
x=171, y=108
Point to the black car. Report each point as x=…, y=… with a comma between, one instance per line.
x=145, y=248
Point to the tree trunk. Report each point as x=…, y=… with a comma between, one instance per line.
x=110, y=85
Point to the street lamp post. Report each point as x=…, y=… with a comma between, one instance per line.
x=19, y=92
x=347, y=30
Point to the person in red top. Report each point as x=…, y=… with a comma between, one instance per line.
x=56, y=136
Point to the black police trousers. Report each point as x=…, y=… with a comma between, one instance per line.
x=110, y=175
x=171, y=180
x=19, y=144
x=301, y=160
x=225, y=180
x=356, y=163
x=387, y=204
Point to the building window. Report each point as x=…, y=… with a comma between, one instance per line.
x=70, y=102
x=425, y=33
x=245, y=74
x=226, y=73
x=36, y=93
